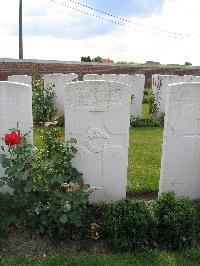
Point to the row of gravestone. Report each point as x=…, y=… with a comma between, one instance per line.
x=58, y=81
x=160, y=87
x=97, y=115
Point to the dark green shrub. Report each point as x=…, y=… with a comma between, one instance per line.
x=153, y=106
x=146, y=99
x=147, y=122
x=147, y=91
x=130, y=225
x=60, y=121
x=177, y=221
x=43, y=102
x=147, y=95
x=7, y=213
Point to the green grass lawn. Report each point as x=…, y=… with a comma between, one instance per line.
x=145, y=111
x=145, y=147
x=150, y=258
x=37, y=138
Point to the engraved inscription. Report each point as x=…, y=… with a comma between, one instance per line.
x=94, y=94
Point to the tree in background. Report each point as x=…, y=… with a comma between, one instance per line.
x=86, y=59
x=188, y=64
x=97, y=59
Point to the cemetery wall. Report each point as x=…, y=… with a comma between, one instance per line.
x=10, y=67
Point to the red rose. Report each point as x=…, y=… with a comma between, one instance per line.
x=12, y=138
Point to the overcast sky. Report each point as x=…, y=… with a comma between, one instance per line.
x=56, y=32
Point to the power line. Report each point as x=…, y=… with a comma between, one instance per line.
x=167, y=33
x=84, y=12
x=130, y=21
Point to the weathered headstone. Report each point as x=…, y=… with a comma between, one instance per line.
x=160, y=87
x=15, y=108
x=21, y=79
x=135, y=81
x=58, y=81
x=98, y=114
x=180, y=167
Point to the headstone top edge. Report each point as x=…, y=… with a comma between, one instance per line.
x=13, y=84
x=96, y=82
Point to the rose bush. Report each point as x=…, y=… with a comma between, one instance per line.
x=43, y=100
x=44, y=182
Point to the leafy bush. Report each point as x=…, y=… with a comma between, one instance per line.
x=130, y=225
x=147, y=91
x=17, y=160
x=147, y=122
x=146, y=99
x=93, y=222
x=60, y=197
x=153, y=106
x=60, y=121
x=45, y=182
x=7, y=215
x=147, y=95
x=43, y=102
x=177, y=221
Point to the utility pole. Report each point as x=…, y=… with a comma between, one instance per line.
x=20, y=31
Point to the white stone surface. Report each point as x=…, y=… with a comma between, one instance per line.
x=180, y=166
x=15, y=107
x=98, y=114
x=195, y=79
x=58, y=81
x=160, y=87
x=21, y=79
x=135, y=81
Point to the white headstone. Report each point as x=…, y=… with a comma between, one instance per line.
x=21, y=79
x=195, y=79
x=15, y=108
x=58, y=81
x=160, y=87
x=98, y=117
x=135, y=81
x=180, y=167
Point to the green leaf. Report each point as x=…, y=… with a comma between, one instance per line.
x=5, y=162
x=72, y=141
x=28, y=187
x=2, y=183
x=63, y=219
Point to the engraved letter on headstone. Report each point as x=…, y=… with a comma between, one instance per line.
x=136, y=82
